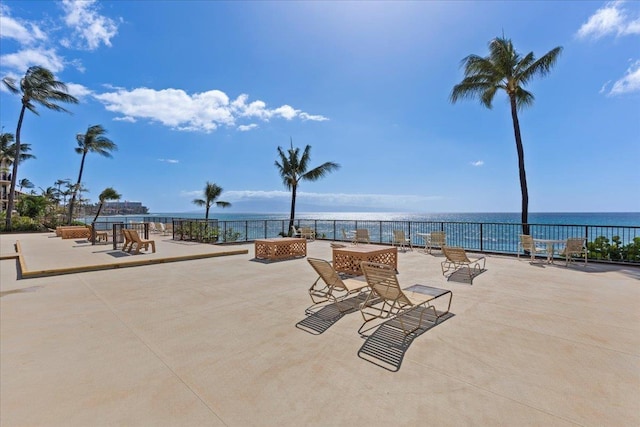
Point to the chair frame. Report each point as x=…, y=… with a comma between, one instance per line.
x=128, y=243
x=307, y=233
x=140, y=243
x=456, y=258
x=361, y=236
x=387, y=300
x=574, y=246
x=436, y=239
x=526, y=243
x=331, y=287
x=400, y=240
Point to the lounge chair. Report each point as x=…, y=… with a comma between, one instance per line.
x=307, y=233
x=140, y=243
x=437, y=239
x=400, y=240
x=528, y=244
x=456, y=258
x=153, y=228
x=574, y=248
x=387, y=299
x=331, y=287
x=361, y=236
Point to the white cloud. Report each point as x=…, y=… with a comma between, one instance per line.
x=337, y=199
x=25, y=58
x=245, y=128
x=172, y=161
x=477, y=163
x=125, y=119
x=23, y=32
x=90, y=29
x=610, y=19
x=77, y=90
x=200, y=112
x=629, y=83
x=317, y=118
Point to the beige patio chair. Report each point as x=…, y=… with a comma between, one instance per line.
x=438, y=239
x=307, y=233
x=330, y=287
x=400, y=240
x=527, y=244
x=387, y=299
x=295, y=232
x=348, y=238
x=140, y=243
x=456, y=258
x=361, y=236
x=574, y=248
x=126, y=246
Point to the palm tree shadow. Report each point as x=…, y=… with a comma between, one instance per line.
x=387, y=345
x=318, y=321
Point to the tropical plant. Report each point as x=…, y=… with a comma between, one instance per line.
x=8, y=149
x=507, y=70
x=107, y=194
x=32, y=206
x=38, y=86
x=211, y=193
x=94, y=141
x=25, y=183
x=293, y=169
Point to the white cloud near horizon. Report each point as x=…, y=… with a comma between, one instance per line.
x=613, y=18
x=198, y=112
x=477, y=163
x=89, y=28
x=329, y=199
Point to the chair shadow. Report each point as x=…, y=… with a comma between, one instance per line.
x=387, y=345
x=461, y=275
x=273, y=261
x=322, y=319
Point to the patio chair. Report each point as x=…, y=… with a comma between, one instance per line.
x=388, y=300
x=140, y=243
x=331, y=287
x=126, y=246
x=307, y=233
x=295, y=232
x=348, y=238
x=153, y=228
x=361, y=236
x=574, y=248
x=400, y=240
x=438, y=239
x=528, y=244
x=456, y=259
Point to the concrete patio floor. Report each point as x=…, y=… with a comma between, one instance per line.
x=214, y=342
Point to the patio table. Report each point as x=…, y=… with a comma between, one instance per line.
x=550, y=243
x=347, y=260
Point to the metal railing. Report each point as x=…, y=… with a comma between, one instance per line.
x=617, y=244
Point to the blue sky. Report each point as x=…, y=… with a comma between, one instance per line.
x=199, y=91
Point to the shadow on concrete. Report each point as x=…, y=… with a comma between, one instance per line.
x=388, y=344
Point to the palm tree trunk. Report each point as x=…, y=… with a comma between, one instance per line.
x=98, y=213
x=523, y=175
x=75, y=189
x=293, y=208
x=14, y=173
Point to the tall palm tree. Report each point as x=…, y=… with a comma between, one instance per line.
x=211, y=193
x=293, y=169
x=94, y=141
x=107, y=194
x=38, y=86
x=505, y=69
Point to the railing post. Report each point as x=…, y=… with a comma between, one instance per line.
x=481, y=239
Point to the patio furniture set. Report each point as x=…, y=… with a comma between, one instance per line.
x=572, y=248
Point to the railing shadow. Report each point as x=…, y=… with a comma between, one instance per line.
x=388, y=344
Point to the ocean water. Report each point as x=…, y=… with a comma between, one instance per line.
x=565, y=218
